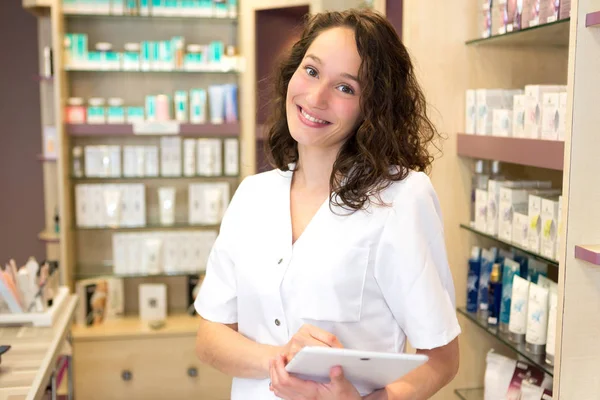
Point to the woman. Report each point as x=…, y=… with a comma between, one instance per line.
x=342, y=244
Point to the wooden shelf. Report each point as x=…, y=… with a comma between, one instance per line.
x=87, y=271
x=470, y=394
x=532, y=152
x=43, y=158
x=155, y=71
x=199, y=130
x=150, y=178
x=129, y=327
x=555, y=34
x=151, y=17
x=38, y=7
x=592, y=19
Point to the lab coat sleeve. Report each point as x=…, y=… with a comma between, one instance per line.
x=217, y=298
x=412, y=270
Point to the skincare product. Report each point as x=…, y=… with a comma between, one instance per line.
x=485, y=19
x=534, y=237
x=481, y=202
x=77, y=161
x=487, y=260
x=487, y=100
x=198, y=106
x=131, y=57
x=511, y=268
x=208, y=202
x=498, y=15
x=163, y=108
x=135, y=115
x=493, y=206
x=479, y=180
x=151, y=157
x=231, y=157
x=549, y=220
x=517, y=326
x=116, y=112
x=518, y=125
x=171, y=159
x=470, y=112
x=153, y=302
x=536, y=269
x=166, y=196
x=502, y=123
x=209, y=157
x=112, y=203
x=530, y=16
x=537, y=319
x=513, y=15
x=495, y=295
x=151, y=108
x=230, y=103
x=520, y=226
x=189, y=157
x=144, y=8
x=216, y=97
x=96, y=112
x=533, y=107
x=76, y=112
x=548, y=11
x=509, y=199
x=551, y=334
x=562, y=115
x=181, y=106
x=550, y=116
x=473, y=279
x=152, y=256
x=564, y=9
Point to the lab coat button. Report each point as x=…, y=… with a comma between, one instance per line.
x=277, y=322
x=280, y=261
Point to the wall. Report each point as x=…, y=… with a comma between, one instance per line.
x=22, y=200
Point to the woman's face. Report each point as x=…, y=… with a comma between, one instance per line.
x=323, y=97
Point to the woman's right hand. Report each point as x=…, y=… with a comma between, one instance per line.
x=309, y=335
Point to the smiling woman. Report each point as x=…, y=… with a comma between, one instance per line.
x=342, y=243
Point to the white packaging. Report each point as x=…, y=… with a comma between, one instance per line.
x=481, y=203
x=96, y=194
x=502, y=123
x=550, y=117
x=487, y=100
x=82, y=206
x=520, y=226
x=232, y=156
x=537, y=317
x=50, y=140
x=499, y=372
x=171, y=263
x=549, y=217
x=166, y=199
x=152, y=261
x=92, y=161
x=129, y=161
x=208, y=202
x=533, y=108
x=119, y=244
x=137, y=205
x=151, y=157
x=470, y=112
x=518, y=309
x=534, y=237
x=518, y=125
x=493, y=206
x=551, y=334
x=170, y=149
x=209, y=157
x=153, y=301
x=202, y=244
x=126, y=214
x=185, y=252
x=112, y=205
x=140, y=161
x=559, y=228
x=114, y=161
x=509, y=199
x=189, y=157
x=562, y=115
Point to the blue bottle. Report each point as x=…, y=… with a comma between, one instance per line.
x=495, y=295
x=473, y=285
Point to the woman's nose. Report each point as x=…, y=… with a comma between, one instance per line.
x=318, y=97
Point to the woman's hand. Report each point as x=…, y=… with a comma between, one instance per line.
x=309, y=335
x=288, y=387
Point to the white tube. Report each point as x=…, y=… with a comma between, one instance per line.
x=216, y=98
x=166, y=197
x=537, y=319
x=112, y=205
x=551, y=335
x=518, y=309
x=152, y=256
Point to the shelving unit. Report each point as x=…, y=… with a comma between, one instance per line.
x=191, y=130
x=87, y=271
x=175, y=71
x=470, y=394
x=551, y=34
x=147, y=227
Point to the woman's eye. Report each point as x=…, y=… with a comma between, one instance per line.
x=346, y=89
x=311, y=71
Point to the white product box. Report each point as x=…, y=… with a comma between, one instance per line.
x=533, y=107
x=171, y=261
x=232, y=156
x=50, y=140
x=119, y=254
x=140, y=161
x=487, y=100
x=208, y=202
x=151, y=158
x=481, y=202
x=518, y=125
x=502, y=123
x=170, y=148
x=534, y=235
x=185, y=253
x=559, y=229
x=470, y=112
x=153, y=301
x=203, y=244
x=81, y=206
x=96, y=192
x=135, y=195
x=92, y=161
x=209, y=157
x=549, y=227
x=134, y=254
x=550, y=117
x=509, y=199
x=562, y=115
x=520, y=226
x=493, y=206
x=115, y=161
x=189, y=157
x=129, y=161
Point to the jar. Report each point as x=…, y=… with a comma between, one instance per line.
x=75, y=111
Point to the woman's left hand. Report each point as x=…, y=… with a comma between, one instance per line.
x=288, y=387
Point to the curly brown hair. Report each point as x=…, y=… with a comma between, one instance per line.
x=395, y=131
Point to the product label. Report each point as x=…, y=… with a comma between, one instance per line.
x=156, y=128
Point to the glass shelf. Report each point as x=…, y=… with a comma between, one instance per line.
x=147, y=178
x=470, y=394
x=553, y=34
x=173, y=71
x=87, y=271
x=229, y=130
x=149, y=227
x=537, y=360
x=524, y=250
x=151, y=17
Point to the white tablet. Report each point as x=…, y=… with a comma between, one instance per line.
x=366, y=370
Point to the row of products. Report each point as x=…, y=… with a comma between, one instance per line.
x=183, y=107
x=156, y=8
x=29, y=288
x=509, y=379
x=498, y=17
x=152, y=253
x=165, y=55
x=525, y=213
x=198, y=157
x=512, y=291
x=124, y=205
x=537, y=112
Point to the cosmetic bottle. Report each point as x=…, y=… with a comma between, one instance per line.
x=495, y=295
x=479, y=181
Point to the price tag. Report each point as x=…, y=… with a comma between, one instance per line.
x=156, y=128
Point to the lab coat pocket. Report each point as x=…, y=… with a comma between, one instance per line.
x=332, y=284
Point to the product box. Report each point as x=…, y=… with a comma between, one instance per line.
x=171, y=157
x=530, y=16
x=534, y=235
x=135, y=115
x=208, y=202
x=493, y=206
x=153, y=301
x=232, y=156
x=487, y=101
x=520, y=226
x=518, y=125
x=129, y=161
x=189, y=157
x=533, y=107
x=485, y=19
x=513, y=15
x=562, y=115
x=151, y=158
x=499, y=9
x=50, y=142
x=564, y=9
x=509, y=199
x=481, y=201
x=550, y=116
x=549, y=227
x=209, y=157
x=470, y=112
x=549, y=10
x=82, y=206
x=502, y=123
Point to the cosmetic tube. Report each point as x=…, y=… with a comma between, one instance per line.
x=216, y=98
x=517, y=325
x=511, y=268
x=551, y=335
x=537, y=319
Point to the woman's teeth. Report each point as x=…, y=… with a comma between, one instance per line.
x=311, y=118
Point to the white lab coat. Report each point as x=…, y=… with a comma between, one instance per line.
x=373, y=278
